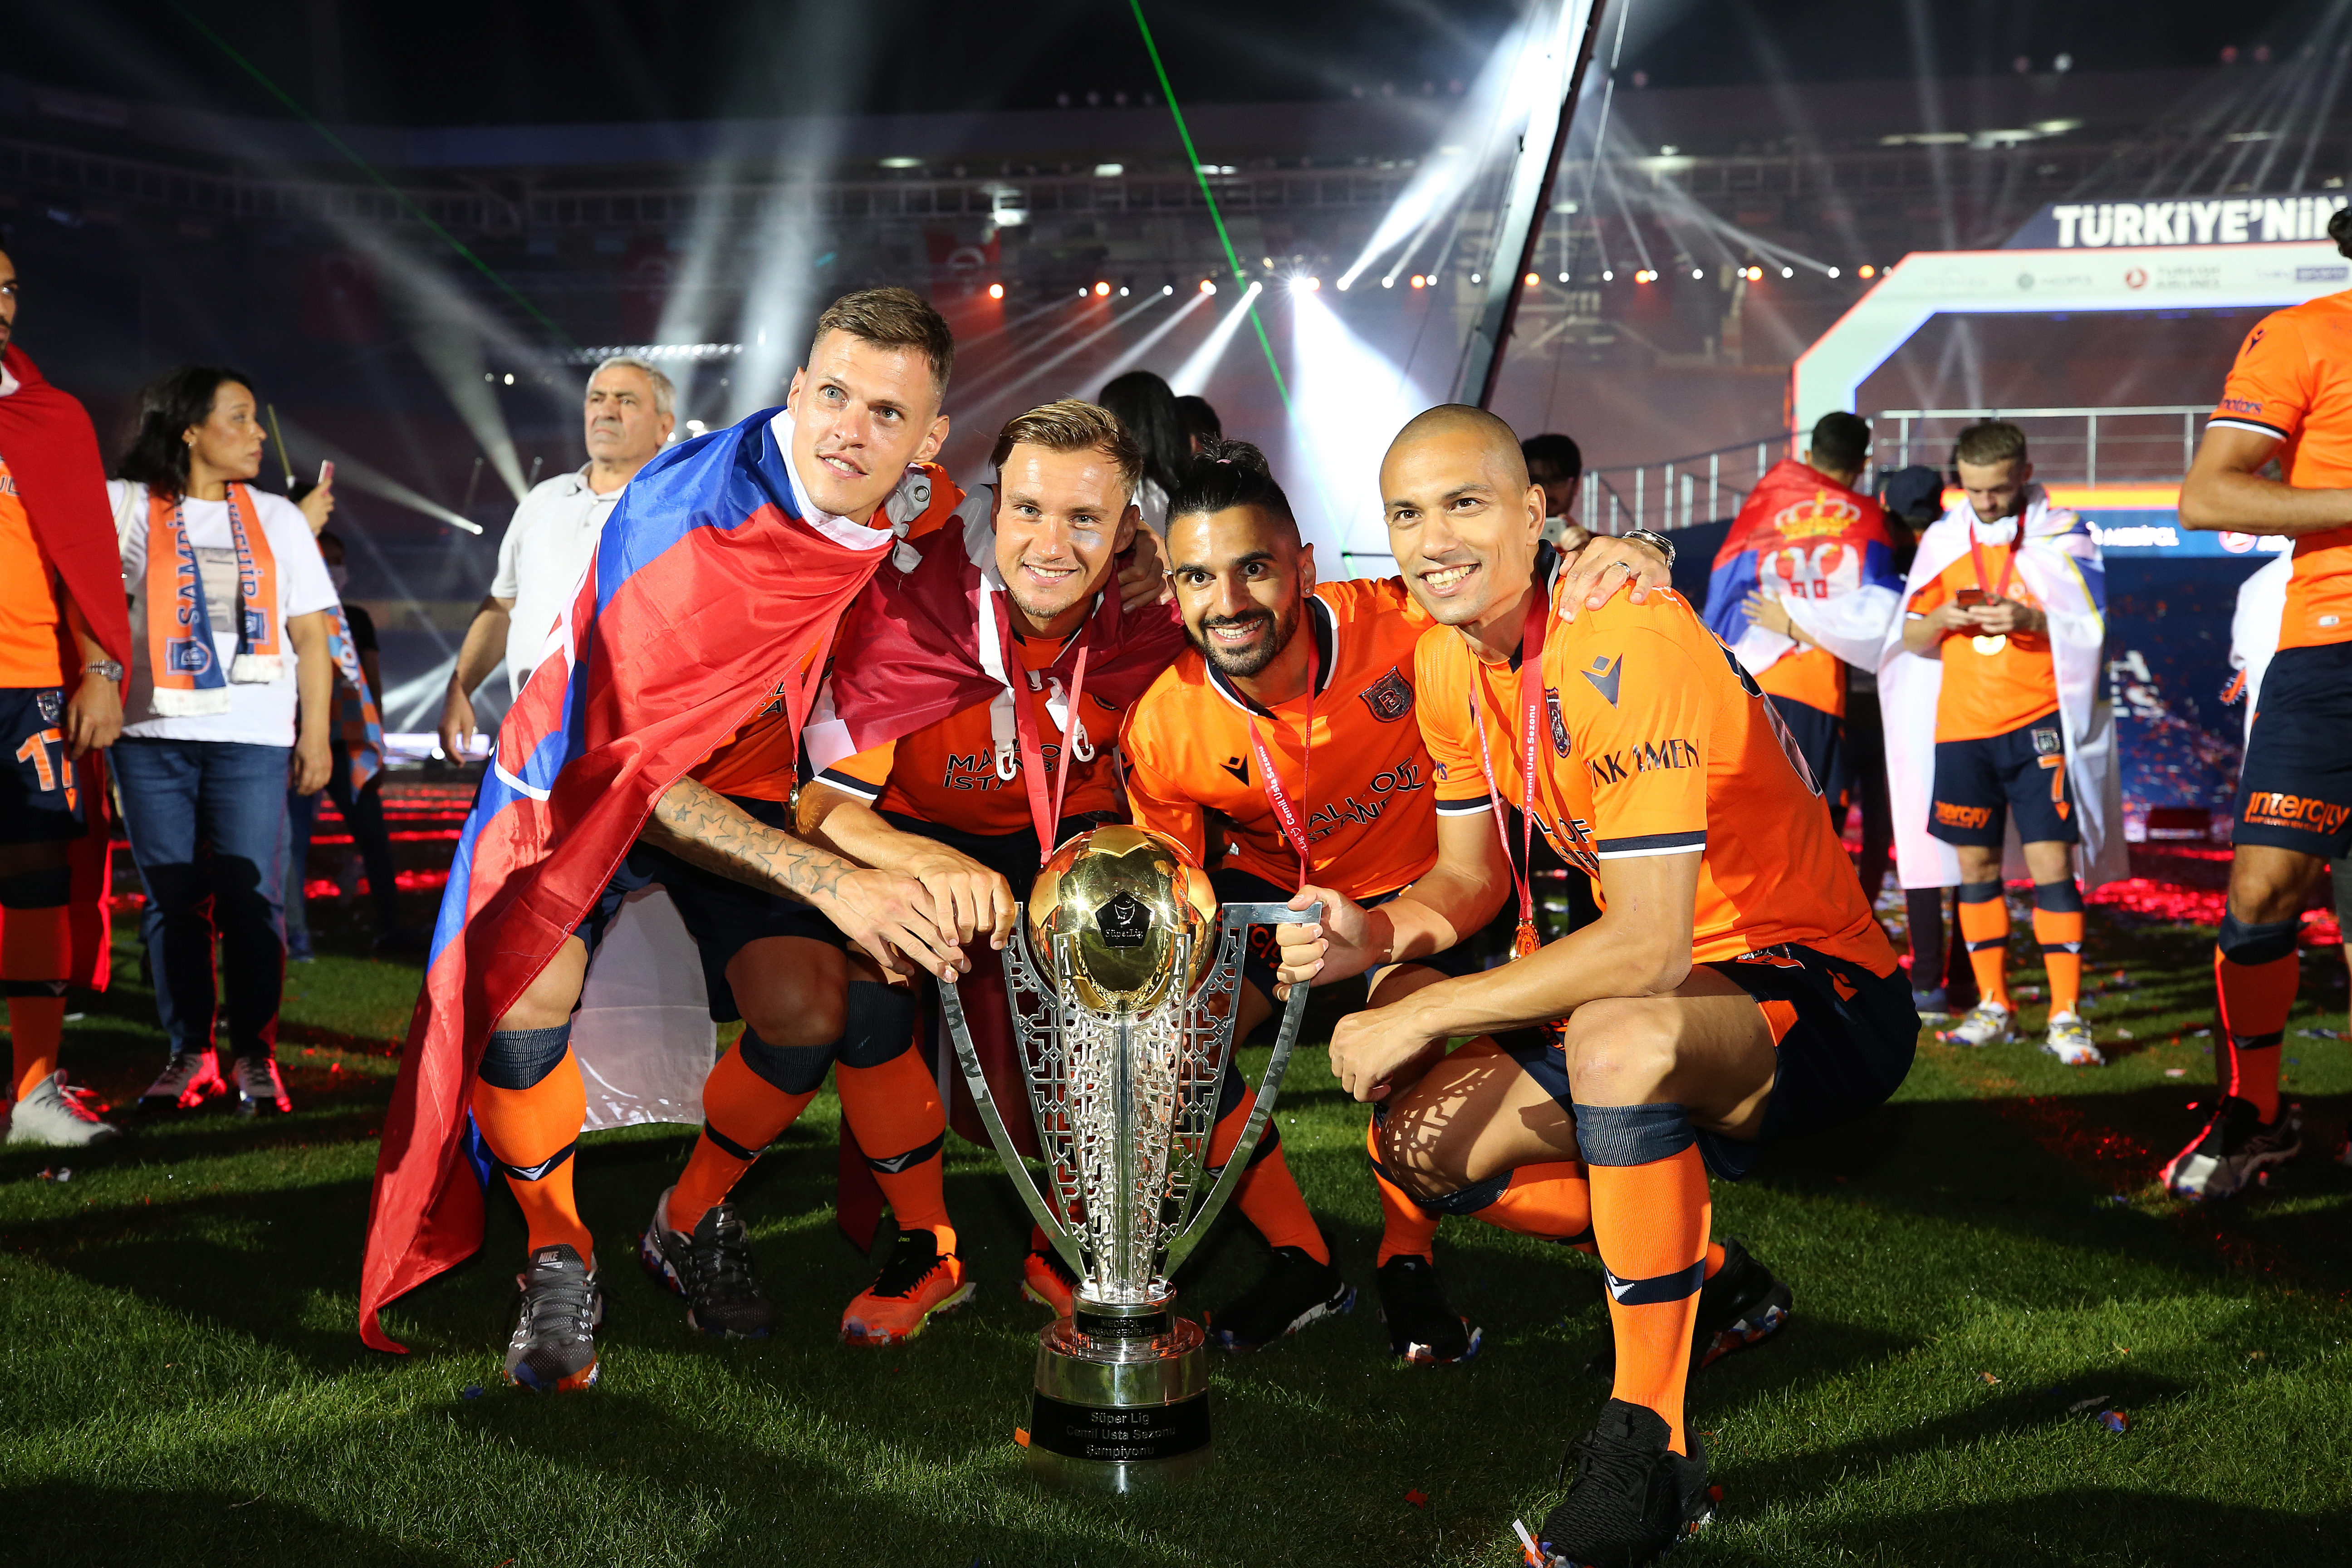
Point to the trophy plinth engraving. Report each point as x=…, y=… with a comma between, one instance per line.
x=1124, y=977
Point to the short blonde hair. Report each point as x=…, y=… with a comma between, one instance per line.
x=665, y=390
x=1074, y=425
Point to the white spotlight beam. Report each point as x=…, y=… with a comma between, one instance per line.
x=454, y=355
x=1150, y=339
x=362, y=475
x=1075, y=349
x=1193, y=375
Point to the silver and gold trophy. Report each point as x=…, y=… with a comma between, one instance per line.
x=1124, y=981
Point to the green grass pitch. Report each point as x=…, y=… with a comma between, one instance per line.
x=181, y=1380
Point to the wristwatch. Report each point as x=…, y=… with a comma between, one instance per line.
x=110, y=669
x=1657, y=542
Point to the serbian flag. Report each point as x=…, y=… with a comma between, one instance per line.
x=927, y=642
x=714, y=582
x=1825, y=551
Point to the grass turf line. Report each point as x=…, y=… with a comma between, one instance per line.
x=180, y=1380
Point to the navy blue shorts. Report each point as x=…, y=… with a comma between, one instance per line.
x=1261, y=957
x=1980, y=783
x=2295, y=789
x=38, y=801
x=1844, y=1038
x=722, y=915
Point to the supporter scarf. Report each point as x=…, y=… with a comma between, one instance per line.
x=357, y=723
x=1825, y=550
x=52, y=452
x=187, y=674
x=713, y=579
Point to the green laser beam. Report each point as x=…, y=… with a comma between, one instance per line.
x=365, y=167
x=1192, y=157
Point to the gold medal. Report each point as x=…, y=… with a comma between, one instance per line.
x=1989, y=646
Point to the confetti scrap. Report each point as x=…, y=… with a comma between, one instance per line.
x=1534, y=1558
x=1020, y=1435
x=1987, y=1377
x=2176, y=1072
x=2094, y=1402
x=1416, y=1497
x=61, y=1174
x=471, y=1391
x=2116, y=1421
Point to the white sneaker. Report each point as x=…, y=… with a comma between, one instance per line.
x=2070, y=1042
x=1988, y=1025
x=54, y=1115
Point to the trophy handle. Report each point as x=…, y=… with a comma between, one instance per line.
x=1238, y=919
x=1015, y=1167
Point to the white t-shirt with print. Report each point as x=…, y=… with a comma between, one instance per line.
x=260, y=712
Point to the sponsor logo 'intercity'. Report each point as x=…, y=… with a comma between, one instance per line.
x=2269, y=808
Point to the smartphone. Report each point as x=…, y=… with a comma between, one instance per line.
x=327, y=471
x=1967, y=598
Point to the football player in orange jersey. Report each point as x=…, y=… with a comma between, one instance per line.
x=1735, y=990
x=2284, y=401
x=1281, y=759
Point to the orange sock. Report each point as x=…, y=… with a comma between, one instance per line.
x=1650, y=1216
x=2255, y=1001
x=1984, y=926
x=32, y=969
x=1552, y=1200
x=2058, y=928
x=532, y=1132
x=1407, y=1229
x=1267, y=1195
x=896, y=1108
x=742, y=1113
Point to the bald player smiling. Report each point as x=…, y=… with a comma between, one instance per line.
x=1735, y=990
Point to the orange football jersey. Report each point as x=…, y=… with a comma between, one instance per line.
x=32, y=620
x=1987, y=694
x=1362, y=779
x=1813, y=676
x=2294, y=380
x=1655, y=741
x=946, y=774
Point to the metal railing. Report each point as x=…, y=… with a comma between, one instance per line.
x=1679, y=491
x=2155, y=444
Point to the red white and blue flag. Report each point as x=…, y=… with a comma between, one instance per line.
x=1824, y=550
x=714, y=582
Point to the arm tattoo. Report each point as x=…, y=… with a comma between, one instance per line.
x=704, y=829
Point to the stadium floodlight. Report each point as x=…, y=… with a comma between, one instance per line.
x=1208, y=285
x=1348, y=400
x=996, y=290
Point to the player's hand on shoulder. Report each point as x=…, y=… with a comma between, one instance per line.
x=890, y=914
x=1143, y=575
x=1605, y=566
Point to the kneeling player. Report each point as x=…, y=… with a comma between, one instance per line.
x=1735, y=988
x=1294, y=762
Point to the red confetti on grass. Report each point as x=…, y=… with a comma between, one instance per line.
x=1418, y=1498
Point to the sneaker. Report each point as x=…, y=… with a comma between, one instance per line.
x=58, y=1115
x=1745, y=1304
x=2070, y=1042
x=553, y=1350
x=1933, y=1006
x=1296, y=1291
x=259, y=1089
x=916, y=1283
x=2235, y=1144
x=188, y=1079
x=1423, y=1328
x=1047, y=1281
x=712, y=1268
x=1633, y=1498
x=1986, y=1024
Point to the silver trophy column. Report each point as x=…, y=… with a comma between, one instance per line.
x=1125, y=983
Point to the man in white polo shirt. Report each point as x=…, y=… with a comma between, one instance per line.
x=629, y=415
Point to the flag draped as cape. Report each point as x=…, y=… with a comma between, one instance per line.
x=1825, y=550
x=2060, y=565
x=52, y=454
x=711, y=580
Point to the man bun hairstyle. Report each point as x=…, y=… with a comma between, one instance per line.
x=1992, y=441
x=1074, y=425
x=156, y=455
x=892, y=319
x=1842, y=441
x=1229, y=474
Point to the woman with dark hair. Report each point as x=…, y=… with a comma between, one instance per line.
x=1145, y=405
x=230, y=686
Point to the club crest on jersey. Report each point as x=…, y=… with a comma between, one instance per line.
x=2046, y=744
x=51, y=703
x=1389, y=698
x=1559, y=720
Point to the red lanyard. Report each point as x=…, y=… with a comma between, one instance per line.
x=1531, y=641
x=2008, y=566
x=1286, y=812
x=1045, y=813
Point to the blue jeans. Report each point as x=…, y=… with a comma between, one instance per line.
x=206, y=820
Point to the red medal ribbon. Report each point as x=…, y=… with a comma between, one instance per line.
x=1976, y=553
x=1287, y=813
x=1045, y=813
x=1531, y=642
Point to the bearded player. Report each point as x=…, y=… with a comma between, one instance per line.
x=646, y=744
x=1735, y=990
x=1280, y=761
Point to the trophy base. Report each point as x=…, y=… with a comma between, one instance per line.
x=1119, y=1415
